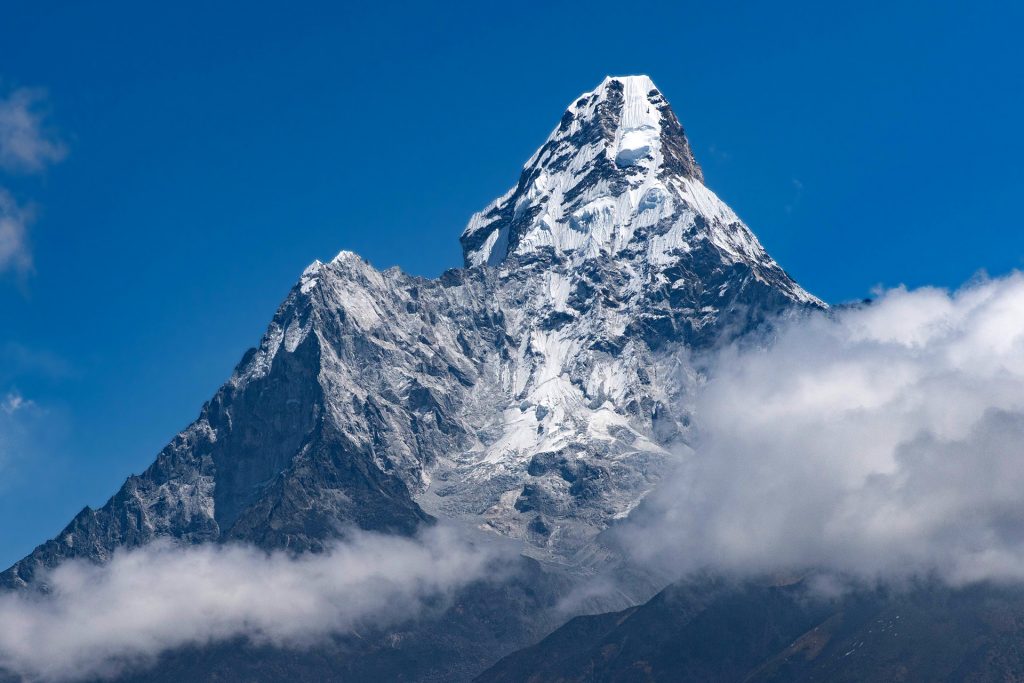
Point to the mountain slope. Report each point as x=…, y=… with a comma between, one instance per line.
x=761, y=632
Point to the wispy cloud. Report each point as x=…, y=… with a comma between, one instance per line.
x=18, y=360
x=27, y=143
x=98, y=620
x=15, y=253
x=720, y=155
x=14, y=402
x=879, y=442
x=19, y=420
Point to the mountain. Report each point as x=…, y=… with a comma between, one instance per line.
x=531, y=391
x=761, y=632
x=537, y=393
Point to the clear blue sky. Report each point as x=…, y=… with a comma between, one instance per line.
x=212, y=153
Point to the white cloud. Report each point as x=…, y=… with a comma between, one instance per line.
x=97, y=620
x=18, y=420
x=26, y=144
x=14, y=402
x=878, y=442
x=14, y=247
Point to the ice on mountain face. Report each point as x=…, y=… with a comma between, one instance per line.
x=346, y=256
x=635, y=145
x=308, y=280
x=639, y=130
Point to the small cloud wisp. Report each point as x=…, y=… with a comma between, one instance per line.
x=27, y=146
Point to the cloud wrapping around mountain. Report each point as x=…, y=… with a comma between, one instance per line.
x=880, y=442
x=98, y=620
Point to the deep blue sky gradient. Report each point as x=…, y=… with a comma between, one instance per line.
x=215, y=151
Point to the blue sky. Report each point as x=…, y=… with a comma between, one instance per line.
x=202, y=156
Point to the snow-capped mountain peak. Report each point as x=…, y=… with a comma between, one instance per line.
x=602, y=161
x=616, y=176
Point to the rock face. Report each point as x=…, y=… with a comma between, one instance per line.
x=537, y=392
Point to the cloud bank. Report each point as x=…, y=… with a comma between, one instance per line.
x=879, y=442
x=100, y=619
